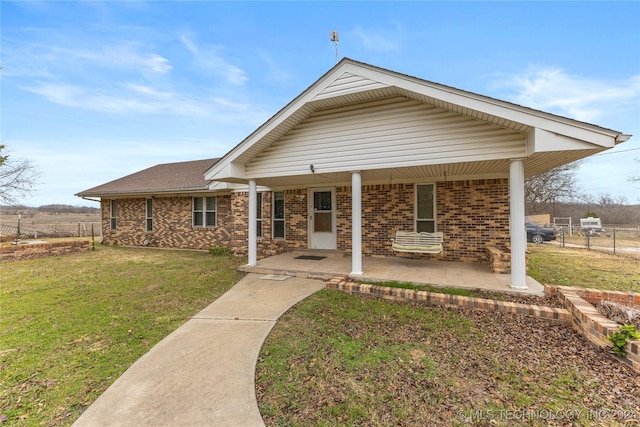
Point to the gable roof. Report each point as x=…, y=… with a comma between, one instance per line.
x=163, y=178
x=549, y=137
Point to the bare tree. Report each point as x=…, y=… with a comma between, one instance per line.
x=606, y=201
x=18, y=178
x=589, y=200
x=550, y=187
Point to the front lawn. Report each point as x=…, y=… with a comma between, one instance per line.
x=71, y=325
x=553, y=265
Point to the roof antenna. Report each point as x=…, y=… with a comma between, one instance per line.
x=334, y=38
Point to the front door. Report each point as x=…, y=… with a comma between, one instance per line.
x=322, y=218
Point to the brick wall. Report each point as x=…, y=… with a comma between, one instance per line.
x=295, y=202
x=172, y=224
x=472, y=215
x=39, y=250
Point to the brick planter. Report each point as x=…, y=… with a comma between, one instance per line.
x=586, y=319
x=557, y=315
x=39, y=250
x=499, y=259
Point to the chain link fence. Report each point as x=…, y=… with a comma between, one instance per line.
x=618, y=241
x=54, y=229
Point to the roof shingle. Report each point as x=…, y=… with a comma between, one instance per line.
x=163, y=178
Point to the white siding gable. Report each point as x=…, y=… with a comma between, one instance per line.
x=347, y=84
x=387, y=133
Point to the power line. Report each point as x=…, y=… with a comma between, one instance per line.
x=621, y=151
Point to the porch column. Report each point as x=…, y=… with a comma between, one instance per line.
x=356, y=224
x=252, y=246
x=517, y=225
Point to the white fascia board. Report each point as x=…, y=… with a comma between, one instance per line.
x=226, y=169
x=540, y=141
x=219, y=186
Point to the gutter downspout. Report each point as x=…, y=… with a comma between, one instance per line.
x=100, y=202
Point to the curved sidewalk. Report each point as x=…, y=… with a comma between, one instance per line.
x=202, y=374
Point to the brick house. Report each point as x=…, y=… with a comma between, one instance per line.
x=362, y=153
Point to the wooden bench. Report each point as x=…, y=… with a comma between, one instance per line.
x=423, y=243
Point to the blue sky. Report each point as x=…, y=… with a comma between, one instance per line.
x=92, y=91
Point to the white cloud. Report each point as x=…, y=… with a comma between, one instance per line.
x=210, y=58
x=190, y=45
x=275, y=70
x=147, y=91
x=133, y=99
x=552, y=89
x=61, y=56
x=379, y=40
x=119, y=55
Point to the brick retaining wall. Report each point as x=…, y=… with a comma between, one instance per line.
x=40, y=250
x=588, y=321
x=552, y=314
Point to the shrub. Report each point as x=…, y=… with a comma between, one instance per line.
x=221, y=251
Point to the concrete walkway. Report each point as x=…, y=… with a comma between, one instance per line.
x=203, y=373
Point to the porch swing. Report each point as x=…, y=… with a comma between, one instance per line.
x=418, y=242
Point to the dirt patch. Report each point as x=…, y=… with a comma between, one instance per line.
x=546, y=301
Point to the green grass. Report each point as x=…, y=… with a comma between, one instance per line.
x=71, y=325
x=553, y=265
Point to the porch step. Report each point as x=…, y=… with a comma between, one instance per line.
x=320, y=252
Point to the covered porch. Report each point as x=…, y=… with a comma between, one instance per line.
x=326, y=265
x=385, y=152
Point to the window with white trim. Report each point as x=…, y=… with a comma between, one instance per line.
x=278, y=215
x=259, y=216
x=113, y=221
x=425, y=210
x=149, y=215
x=204, y=211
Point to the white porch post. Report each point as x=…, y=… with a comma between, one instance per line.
x=356, y=224
x=517, y=225
x=253, y=224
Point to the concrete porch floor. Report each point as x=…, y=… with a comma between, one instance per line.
x=378, y=269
